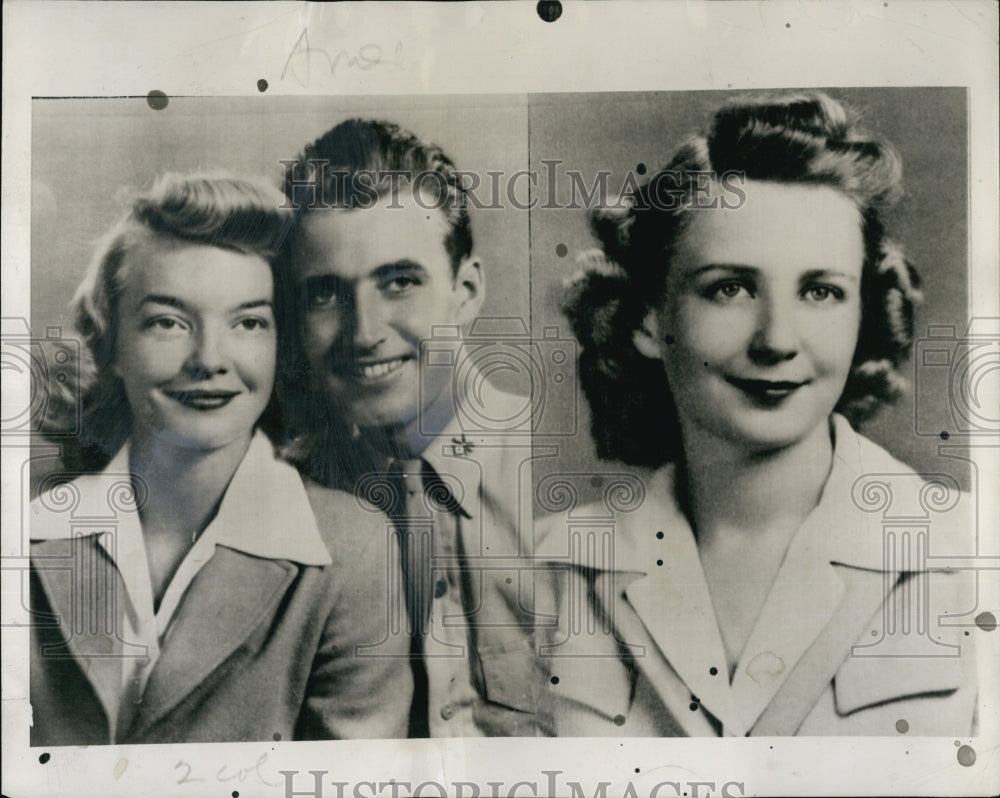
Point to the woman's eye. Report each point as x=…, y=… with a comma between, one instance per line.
x=823, y=293
x=164, y=324
x=253, y=324
x=729, y=290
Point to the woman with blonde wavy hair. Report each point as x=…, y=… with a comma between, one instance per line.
x=745, y=314
x=198, y=590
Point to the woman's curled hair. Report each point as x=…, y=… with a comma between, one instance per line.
x=799, y=138
x=214, y=209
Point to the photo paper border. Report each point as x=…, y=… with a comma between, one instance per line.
x=70, y=49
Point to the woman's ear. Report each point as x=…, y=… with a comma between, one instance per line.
x=470, y=284
x=648, y=339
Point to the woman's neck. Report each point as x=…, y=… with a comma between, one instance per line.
x=733, y=492
x=185, y=485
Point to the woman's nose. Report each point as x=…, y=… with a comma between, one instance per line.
x=775, y=337
x=208, y=354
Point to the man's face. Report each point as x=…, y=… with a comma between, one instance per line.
x=375, y=282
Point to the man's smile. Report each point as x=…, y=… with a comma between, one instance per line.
x=371, y=370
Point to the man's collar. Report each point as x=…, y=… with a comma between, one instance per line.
x=458, y=451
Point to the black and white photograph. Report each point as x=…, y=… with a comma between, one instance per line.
x=377, y=423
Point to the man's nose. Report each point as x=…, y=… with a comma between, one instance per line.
x=775, y=336
x=369, y=320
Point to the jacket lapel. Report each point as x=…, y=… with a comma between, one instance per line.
x=804, y=600
x=680, y=620
x=672, y=601
x=230, y=598
x=864, y=594
x=87, y=595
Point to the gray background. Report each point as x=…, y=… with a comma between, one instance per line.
x=617, y=132
x=85, y=151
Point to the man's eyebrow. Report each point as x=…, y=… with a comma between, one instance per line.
x=401, y=265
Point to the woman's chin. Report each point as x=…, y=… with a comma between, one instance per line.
x=193, y=438
x=761, y=433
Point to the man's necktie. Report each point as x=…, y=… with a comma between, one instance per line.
x=425, y=517
x=414, y=524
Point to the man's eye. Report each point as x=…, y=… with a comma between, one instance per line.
x=320, y=296
x=400, y=284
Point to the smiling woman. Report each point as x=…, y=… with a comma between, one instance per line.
x=197, y=344
x=762, y=306
x=206, y=605
x=732, y=349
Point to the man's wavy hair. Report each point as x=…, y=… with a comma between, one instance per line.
x=242, y=215
x=800, y=138
x=359, y=161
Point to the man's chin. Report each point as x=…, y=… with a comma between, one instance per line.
x=363, y=415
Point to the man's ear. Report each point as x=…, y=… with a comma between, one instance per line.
x=649, y=338
x=470, y=284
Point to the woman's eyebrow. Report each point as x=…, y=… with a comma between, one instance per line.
x=180, y=304
x=164, y=299
x=253, y=303
x=820, y=274
x=734, y=268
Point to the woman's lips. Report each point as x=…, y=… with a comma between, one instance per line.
x=766, y=392
x=203, y=400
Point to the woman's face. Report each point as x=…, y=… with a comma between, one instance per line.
x=761, y=314
x=196, y=343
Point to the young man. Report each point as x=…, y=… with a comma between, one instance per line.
x=383, y=255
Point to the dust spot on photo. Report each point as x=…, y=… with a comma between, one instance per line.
x=549, y=10
x=966, y=756
x=986, y=621
x=157, y=100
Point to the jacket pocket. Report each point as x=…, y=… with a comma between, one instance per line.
x=512, y=676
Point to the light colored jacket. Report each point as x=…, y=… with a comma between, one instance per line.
x=267, y=643
x=867, y=630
